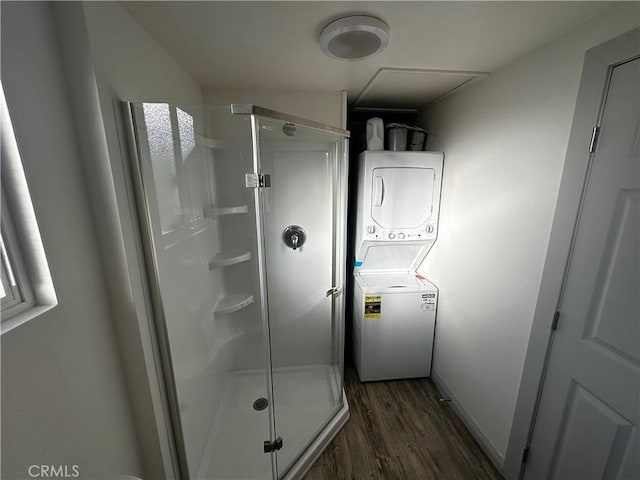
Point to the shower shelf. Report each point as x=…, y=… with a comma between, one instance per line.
x=218, y=144
x=184, y=232
x=215, y=212
x=233, y=303
x=224, y=259
x=210, y=142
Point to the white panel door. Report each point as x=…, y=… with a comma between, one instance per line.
x=402, y=197
x=587, y=424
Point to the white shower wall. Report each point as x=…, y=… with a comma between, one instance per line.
x=299, y=310
x=188, y=303
x=229, y=154
x=299, y=318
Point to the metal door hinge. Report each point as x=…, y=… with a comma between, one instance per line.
x=525, y=455
x=554, y=323
x=257, y=180
x=335, y=291
x=594, y=139
x=270, y=446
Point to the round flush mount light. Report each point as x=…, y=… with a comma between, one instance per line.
x=354, y=38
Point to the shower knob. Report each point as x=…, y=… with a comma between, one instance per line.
x=294, y=236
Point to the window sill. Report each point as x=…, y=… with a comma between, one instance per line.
x=18, y=318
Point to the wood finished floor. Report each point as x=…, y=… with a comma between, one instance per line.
x=399, y=430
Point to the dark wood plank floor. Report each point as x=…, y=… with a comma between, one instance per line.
x=399, y=430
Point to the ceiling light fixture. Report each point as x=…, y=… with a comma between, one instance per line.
x=354, y=38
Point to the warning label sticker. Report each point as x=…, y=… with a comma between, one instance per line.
x=428, y=302
x=372, y=304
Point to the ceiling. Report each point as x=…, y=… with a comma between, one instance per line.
x=274, y=45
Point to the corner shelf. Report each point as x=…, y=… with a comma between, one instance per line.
x=224, y=259
x=216, y=212
x=233, y=303
x=225, y=145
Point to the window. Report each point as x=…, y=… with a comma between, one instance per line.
x=16, y=296
x=9, y=290
x=26, y=289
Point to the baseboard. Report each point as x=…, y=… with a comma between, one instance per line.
x=489, y=448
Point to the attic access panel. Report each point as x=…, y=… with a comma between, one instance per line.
x=411, y=88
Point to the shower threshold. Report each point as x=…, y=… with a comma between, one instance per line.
x=308, y=414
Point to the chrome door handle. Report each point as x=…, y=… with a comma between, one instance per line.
x=335, y=291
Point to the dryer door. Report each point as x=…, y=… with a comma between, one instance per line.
x=402, y=197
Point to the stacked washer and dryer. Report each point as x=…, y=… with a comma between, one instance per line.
x=397, y=224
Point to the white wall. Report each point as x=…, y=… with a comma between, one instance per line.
x=131, y=62
x=64, y=399
x=108, y=57
x=504, y=141
x=126, y=64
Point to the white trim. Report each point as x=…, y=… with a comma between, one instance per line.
x=12, y=296
x=487, y=445
x=15, y=254
x=23, y=242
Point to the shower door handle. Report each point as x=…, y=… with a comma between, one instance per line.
x=272, y=446
x=335, y=291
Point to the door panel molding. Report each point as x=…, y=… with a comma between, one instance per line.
x=614, y=272
x=614, y=436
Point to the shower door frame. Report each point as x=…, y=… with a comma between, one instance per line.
x=165, y=373
x=165, y=369
x=339, y=207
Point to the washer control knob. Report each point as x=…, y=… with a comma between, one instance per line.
x=429, y=228
x=392, y=236
x=371, y=229
x=401, y=236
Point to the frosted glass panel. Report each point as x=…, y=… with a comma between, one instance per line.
x=187, y=134
x=163, y=163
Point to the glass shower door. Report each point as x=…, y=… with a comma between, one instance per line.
x=201, y=247
x=302, y=222
x=246, y=282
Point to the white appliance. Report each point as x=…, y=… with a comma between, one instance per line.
x=397, y=224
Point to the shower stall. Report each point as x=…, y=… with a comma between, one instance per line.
x=242, y=213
